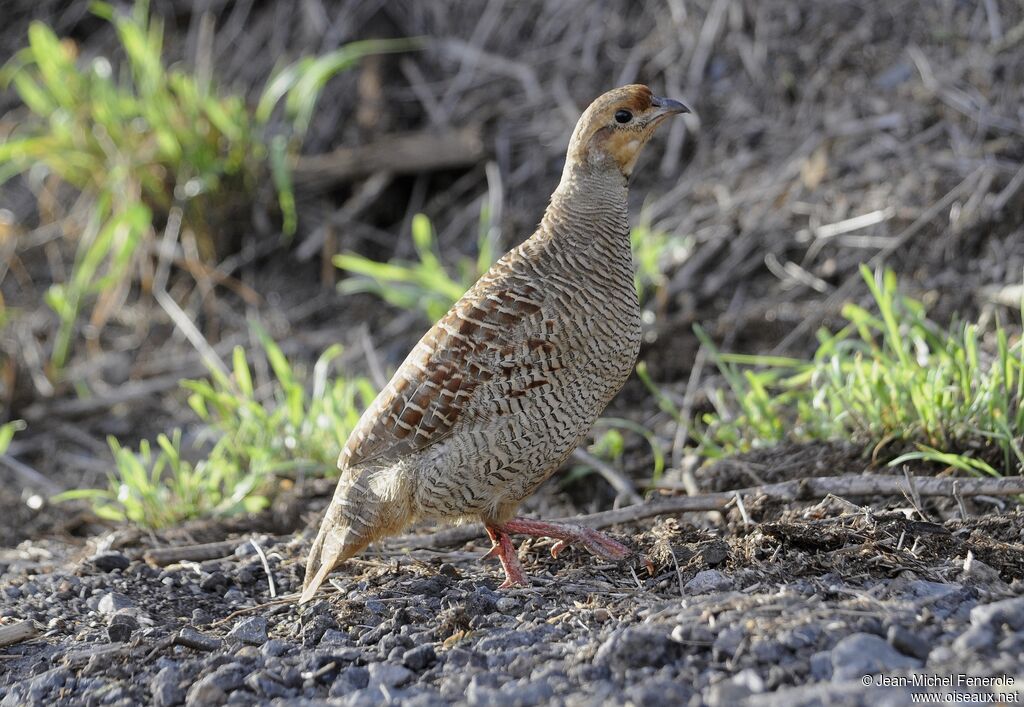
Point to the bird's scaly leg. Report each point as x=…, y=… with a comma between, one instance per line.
x=505, y=551
x=566, y=534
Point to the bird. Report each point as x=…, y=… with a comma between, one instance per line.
x=504, y=387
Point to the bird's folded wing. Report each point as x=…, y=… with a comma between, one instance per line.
x=480, y=340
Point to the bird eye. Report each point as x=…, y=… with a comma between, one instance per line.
x=623, y=116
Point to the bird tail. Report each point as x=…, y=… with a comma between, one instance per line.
x=356, y=517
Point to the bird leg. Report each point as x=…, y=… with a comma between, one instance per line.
x=505, y=551
x=566, y=534
x=596, y=543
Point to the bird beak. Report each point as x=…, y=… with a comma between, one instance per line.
x=667, y=106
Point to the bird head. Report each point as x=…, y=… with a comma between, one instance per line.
x=613, y=130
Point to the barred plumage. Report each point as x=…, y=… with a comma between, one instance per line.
x=500, y=391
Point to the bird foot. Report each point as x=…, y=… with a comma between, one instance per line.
x=596, y=543
x=505, y=551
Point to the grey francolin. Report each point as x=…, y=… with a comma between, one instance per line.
x=503, y=388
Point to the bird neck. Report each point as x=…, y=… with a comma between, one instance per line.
x=589, y=209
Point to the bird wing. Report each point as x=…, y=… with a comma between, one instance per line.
x=480, y=340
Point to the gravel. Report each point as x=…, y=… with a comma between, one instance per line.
x=252, y=631
x=765, y=627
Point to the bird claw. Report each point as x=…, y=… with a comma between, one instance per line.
x=495, y=551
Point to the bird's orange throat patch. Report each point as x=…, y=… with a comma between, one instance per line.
x=623, y=146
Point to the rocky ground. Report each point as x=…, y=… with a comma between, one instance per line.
x=785, y=606
x=810, y=117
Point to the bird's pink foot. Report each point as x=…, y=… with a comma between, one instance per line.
x=596, y=543
x=505, y=551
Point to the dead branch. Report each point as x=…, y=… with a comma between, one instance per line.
x=408, y=153
x=163, y=556
x=18, y=632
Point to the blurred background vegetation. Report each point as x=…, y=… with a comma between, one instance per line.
x=223, y=225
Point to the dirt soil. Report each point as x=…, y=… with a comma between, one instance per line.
x=825, y=135
x=774, y=606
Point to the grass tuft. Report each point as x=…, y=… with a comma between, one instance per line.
x=890, y=378
x=142, y=140
x=294, y=426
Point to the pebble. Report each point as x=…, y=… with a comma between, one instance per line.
x=708, y=581
x=275, y=648
x=119, y=632
x=251, y=630
x=637, y=647
x=265, y=686
x=419, y=657
x=389, y=674
x=113, y=601
x=349, y=680
x=1009, y=612
x=334, y=637
x=863, y=654
x=907, y=642
x=213, y=581
x=974, y=639
x=205, y=692
x=166, y=687
x=109, y=561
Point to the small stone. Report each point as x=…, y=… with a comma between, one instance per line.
x=119, y=632
x=247, y=654
x=314, y=630
x=252, y=630
x=113, y=601
x=109, y=561
x=981, y=573
x=234, y=596
x=334, y=637
x=767, y=651
x=263, y=685
x=349, y=680
x=863, y=654
x=507, y=605
x=1008, y=611
x=923, y=589
x=213, y=581
x=727, y=642
x=714, y=552
x=656, y=692
x=821, y=666
x=389, y=674
x=637, y=647
x=482, y=601
x=228, y=677
x=275, y=648
x=734, y=690
x=166, y=687
x=449, y=570
x=419, y=657
x=49, y=682
x=707, y=582
x=907, y=642
x=205, y=692
x=201, y=616
x=974, y=639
